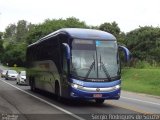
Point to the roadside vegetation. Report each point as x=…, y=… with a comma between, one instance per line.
x=140, y=75
x=141, y=80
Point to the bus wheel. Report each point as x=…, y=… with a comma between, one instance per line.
x=33, y=85
x=99, y=101
x=57, y=90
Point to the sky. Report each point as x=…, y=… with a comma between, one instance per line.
x=128, y=14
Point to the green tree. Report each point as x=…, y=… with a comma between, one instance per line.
x=22, y=29
x=144, y=43
x=111, y=28
x=14, y=54
x=14, y=43
x=1, y=49
x=18, y=37
x=10, y=33
x=1, y=35
x=49, y=26
x=73, y=22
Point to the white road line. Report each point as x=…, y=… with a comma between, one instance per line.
x=141, y=100
x=53, y=105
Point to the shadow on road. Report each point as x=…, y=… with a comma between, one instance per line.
x=72, y=102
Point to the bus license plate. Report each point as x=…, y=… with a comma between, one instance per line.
x=97, y=95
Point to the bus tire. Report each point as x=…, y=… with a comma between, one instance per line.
x=57, y=90
x=32, y=83
x=99, y=101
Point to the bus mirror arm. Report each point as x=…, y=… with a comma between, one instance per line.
x=126, y=52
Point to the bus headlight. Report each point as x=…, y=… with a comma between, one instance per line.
x=117, y=87
x=76, y=86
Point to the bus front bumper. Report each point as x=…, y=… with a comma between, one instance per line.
x=95, y=93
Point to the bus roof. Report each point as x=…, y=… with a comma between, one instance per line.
x=81, y=33
x=85, y=33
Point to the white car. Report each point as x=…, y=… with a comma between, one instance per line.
x=3, y=74
x=11, y=74
x=21, y=77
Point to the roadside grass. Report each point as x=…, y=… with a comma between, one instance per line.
x=141, y=80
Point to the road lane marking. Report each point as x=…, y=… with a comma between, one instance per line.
x=42, y=100
x=141, y=100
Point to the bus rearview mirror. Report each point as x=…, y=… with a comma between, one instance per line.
x=126, y=52
x=67, y=50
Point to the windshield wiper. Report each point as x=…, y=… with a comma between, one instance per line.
x=104, y=69
x=90, y=68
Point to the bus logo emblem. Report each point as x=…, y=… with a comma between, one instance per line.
x=97, y=89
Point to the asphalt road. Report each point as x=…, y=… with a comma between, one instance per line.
x=18, y=102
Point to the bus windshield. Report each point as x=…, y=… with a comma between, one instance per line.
x=94, y=59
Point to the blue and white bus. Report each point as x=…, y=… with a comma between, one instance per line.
x=76, y=63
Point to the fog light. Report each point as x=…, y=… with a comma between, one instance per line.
x=72, y=94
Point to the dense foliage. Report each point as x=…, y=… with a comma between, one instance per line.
x=143, y=42
x=17, y=37
x=49, y=26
